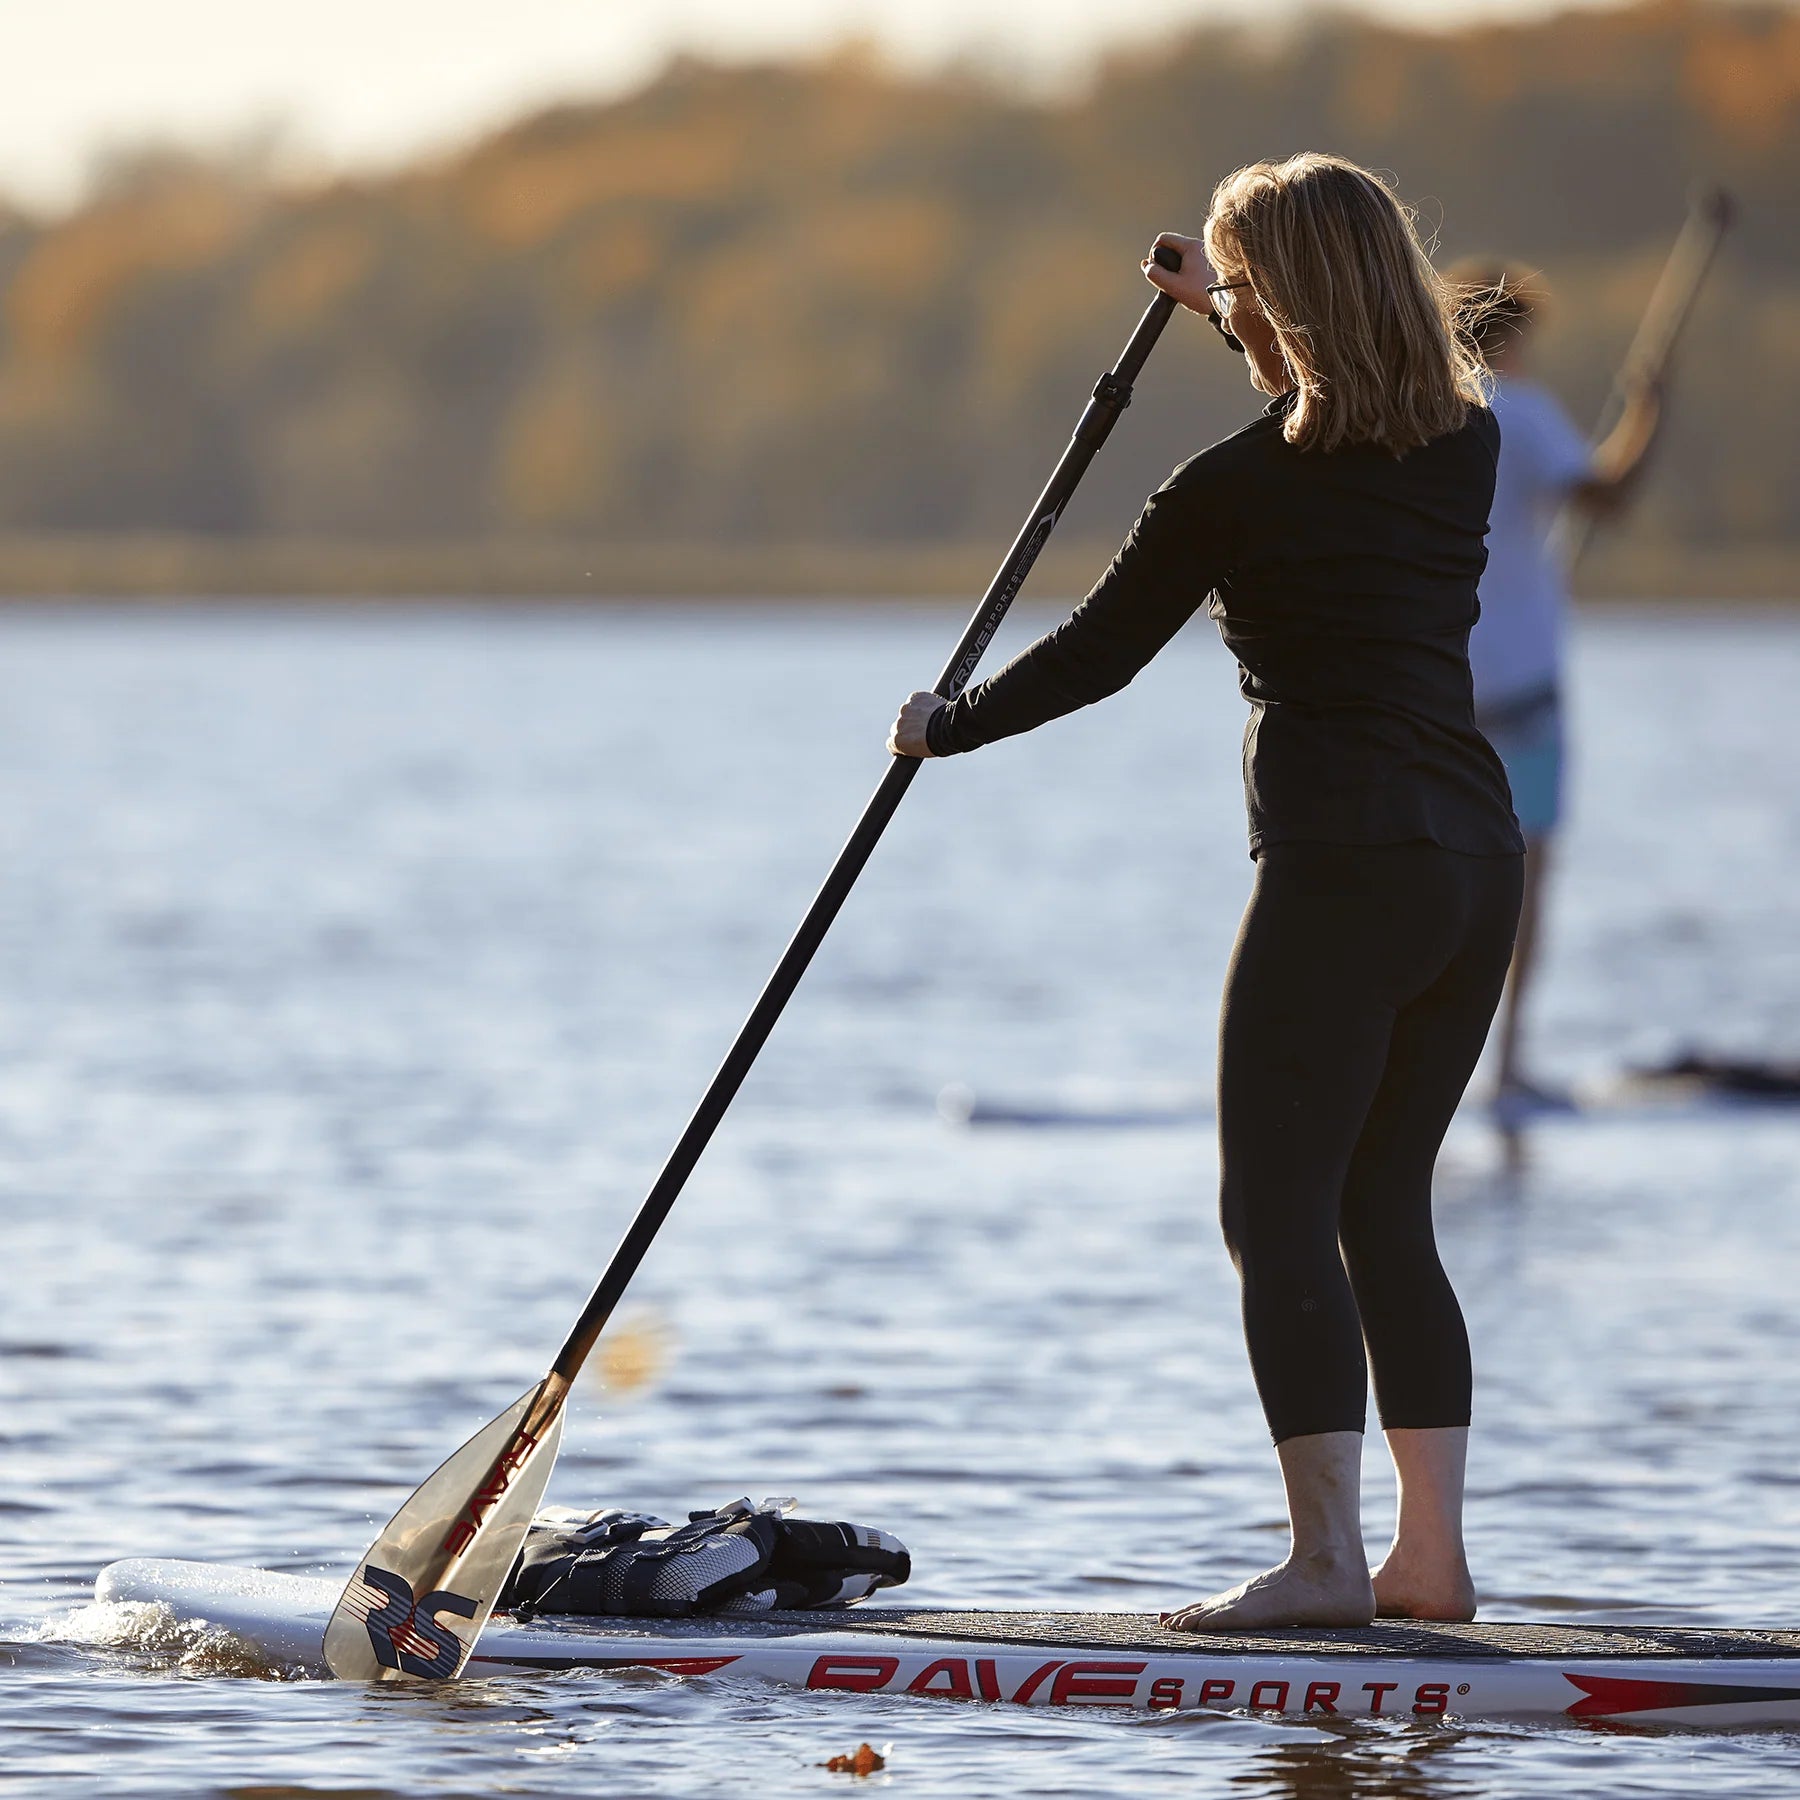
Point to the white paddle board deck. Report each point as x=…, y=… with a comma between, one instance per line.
x=1676, y=1675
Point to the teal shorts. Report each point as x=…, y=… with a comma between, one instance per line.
x=1527, y=736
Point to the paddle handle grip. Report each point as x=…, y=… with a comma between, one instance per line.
x=1111, y=395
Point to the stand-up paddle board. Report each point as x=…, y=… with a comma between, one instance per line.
x=1668, y=1675
x=1688, y=1087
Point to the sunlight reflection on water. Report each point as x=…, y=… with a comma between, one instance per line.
x=360, y=967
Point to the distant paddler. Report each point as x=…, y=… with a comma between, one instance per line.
x=1553, y=486
x=1336, y=540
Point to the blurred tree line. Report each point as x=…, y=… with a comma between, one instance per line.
x=825, y=303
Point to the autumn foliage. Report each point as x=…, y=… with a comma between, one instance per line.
x=821, y=303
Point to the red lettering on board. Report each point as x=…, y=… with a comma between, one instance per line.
x=949, y=1675
x=987, y=1678
x=1030, y=1685
x=1321, y=1696
x=1375, y=1689
x=1080, y=1681
x=1432, y=1698
x=859, y=1674
x=1278, y=1704
x=1215, y=1690
x=1165, y=1692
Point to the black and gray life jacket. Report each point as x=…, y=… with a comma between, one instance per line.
x=737, y=1559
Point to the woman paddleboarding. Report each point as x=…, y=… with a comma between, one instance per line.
x=1336, y=541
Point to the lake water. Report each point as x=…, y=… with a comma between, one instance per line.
x=357, y=969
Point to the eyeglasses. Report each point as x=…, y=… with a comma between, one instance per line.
x=1222, y=306
x=1225, y=289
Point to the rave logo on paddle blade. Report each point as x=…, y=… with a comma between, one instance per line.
x=491, y=1492
x=404, y=1631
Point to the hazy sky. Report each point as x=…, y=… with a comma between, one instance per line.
x=361, y=80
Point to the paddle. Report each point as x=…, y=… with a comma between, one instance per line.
x=1710, y=214
x=419, y=1599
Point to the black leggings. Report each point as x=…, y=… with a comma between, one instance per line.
x=1359, y=996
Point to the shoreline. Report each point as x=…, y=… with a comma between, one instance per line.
x=163, y=566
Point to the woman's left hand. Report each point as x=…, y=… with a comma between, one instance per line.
x=1188, y=283
x=908, y=736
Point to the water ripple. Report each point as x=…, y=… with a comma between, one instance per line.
x=356, y=978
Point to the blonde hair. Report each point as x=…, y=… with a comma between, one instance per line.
x=1371, y=333
x=1499, y=304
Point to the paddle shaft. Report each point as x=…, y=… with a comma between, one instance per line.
x=1677, y=288
x=1112, y=394
x=1653, y=348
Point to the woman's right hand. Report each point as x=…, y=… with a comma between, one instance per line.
x=1188, y=283
x=908, y=736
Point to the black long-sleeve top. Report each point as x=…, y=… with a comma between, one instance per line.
x=1344, y=584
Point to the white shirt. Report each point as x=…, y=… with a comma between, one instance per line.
x=1516, y=648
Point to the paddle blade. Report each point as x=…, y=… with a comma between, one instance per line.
x=419, y=1599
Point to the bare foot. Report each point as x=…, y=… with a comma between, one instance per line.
x=1405, y=1589
x=1316, y=1590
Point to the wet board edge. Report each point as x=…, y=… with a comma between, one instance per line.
x=284, y=1616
